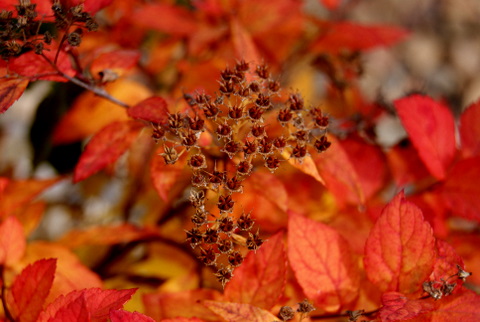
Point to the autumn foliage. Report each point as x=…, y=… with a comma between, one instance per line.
x=206, y=177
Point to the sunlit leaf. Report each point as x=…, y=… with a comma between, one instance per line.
x=98, y=303
x=260, y=279
x=12, y=241
x=117, y=61
x=240, y=312
x=323, y=263
x=242, y=42
x=125, y=316
x=400, y=251
x=10, y=90
x=30, y=290
x=153, y=109
x=431, y=128
x=105, y=148
x=397, y=307
x=446, y=263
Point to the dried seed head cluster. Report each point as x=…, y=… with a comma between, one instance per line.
x=438, y=289
x=238, y=119
x=21, y=31
x=287, y=313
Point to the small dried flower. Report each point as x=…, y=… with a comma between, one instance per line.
x=227, y=87
x=235, y=112
x=223, y=130
x=224, y=275
x=211, y=110
x=217, y=177
x=242, y=66
x=263, y=101
x=296, y=102
x=255, y=113
x=170, y=155
x=244, y=168
x=286, y=313
x=196, y=124
x=198, y=180
x=189, y=140
x=175, y=121
x=197, y=198
x=273, y=86
x=265, y=146
x=254, y=241
x=197, y=161
x=284, y=116
x=254, y=87
x=225, y=245
x=225, y=203
x=234, y=184
x=262, y=71
x=231, y=148
x=208, y=256
x=245, y=221
x=199, y=218
x=210, y=236
x=272, y=163
x=194, y=237
x=74, y=39
x=305, y=307
x=434, y=292
x=299, y=152
x=225, y=224
x=235, y=259
x=258, y=130
x=462, y=274
x=322, y=144
x=280, y=143
x=250, y=147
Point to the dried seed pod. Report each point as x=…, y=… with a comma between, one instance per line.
x=265, y=146
x=322, y=144
x=296, y=102
x=235, y=259
x=255, y=113
x=280, y=143
x=301, y=136
x=225, y=245
x=286, y=313
x=254, y=87
x=462, y=274
x=234, y=185
x=210, y=236
x=198, y=180
x=250, y=147
x=258, y=130
x=299, y=152
x=225, y=203
x=175, y=121
x=242, y=66
x=262, y=71
x=189, y=140
x=208, y=256
x=235, y=112
x=200, y=217
x=218, y=177
x=196, y=124
x=231, y=148
x=225, y=224
x=223, y=130
x=74, y=39
x=197, y=161
x=211, y=110
x=272, y=163
x=170, y=155
x=245, y=222
x=273, y=86
x=263, y=101
x=224, y=275
x=194, y=237
x=305, y=307
x=244, y=168
x=284, y=116
x=197, y=198
x=227, y=87
x=254, y=241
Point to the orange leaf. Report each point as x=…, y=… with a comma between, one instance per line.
x=323, y=263
x=166, y=176
x=10, y=90
x=400, y=250
x=90, y=113
x=339, y=174
x=182, y=320
x=396, y=307
x=185, y=304
x=117, y=61
x=153, y=109
x=243, y=43
x=98, y=303
x=30, y=290
x=18, y=194
x=306, y=166
x=338, y=36
x=462, y=306
x=239, y=312
x=12, y=241
x=470, y=131
x=105, y=235
x=431, y=127
x=105, y=148
x=125, y=316
x=260, y=279
x=461, y=189
x=70, y=274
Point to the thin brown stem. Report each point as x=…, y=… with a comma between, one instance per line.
x=98, y=91
x=6, y=311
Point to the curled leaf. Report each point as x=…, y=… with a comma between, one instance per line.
x=10, y=90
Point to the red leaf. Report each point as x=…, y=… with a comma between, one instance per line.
x=461, y=189
x=166, y=176
x=431, y=127
x=243, y=43
x=98, y=303
x=12, y=241
x=105, y=148
x=446, y=264
x=73, y=311
x=340, y=176
x=240, y=312
x=470, y=131
x=331, y=4
x=125, y=316
x=30, y=290
x=260, y=279
x=182, y=320
x=400, y=250
x=10, y=90
x=462, y=306
x=396, y=307
x=153, y=109
x=347, y=35
x=116, y=60
x=323, y=263
x=170, y=19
